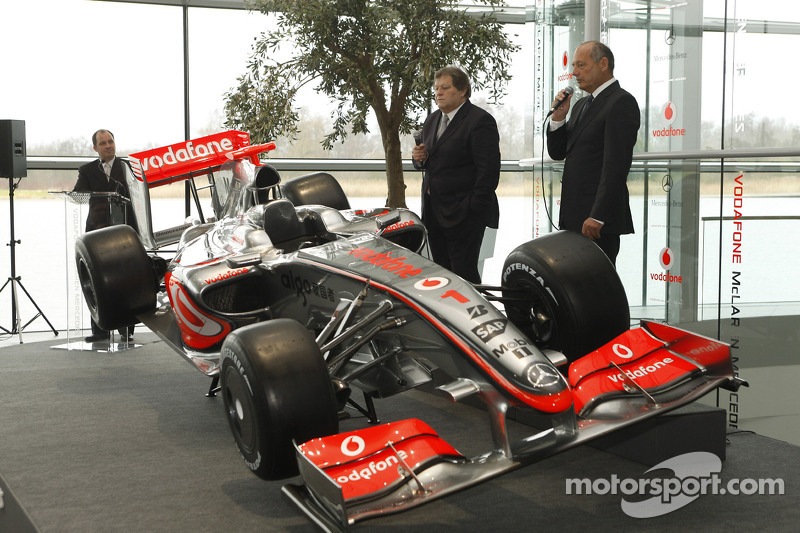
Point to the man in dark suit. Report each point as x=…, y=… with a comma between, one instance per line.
x=597, y=142
x=460, y=156
x=104, y=174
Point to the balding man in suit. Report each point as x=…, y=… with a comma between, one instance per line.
x=597, y=142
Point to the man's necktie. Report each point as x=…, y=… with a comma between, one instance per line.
x=442, y=125
x=585, y=107
x=107, y=170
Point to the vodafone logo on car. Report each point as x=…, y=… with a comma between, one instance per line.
x=399, y=225
x=386, y=261
x=620, y=350
x=183, y=156
x=353, y=446
x=380, y=472
x=186, y=153
x=429, y=284
x=642, y=371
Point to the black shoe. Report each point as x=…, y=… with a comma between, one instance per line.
x=126, y=338
x=97, y=337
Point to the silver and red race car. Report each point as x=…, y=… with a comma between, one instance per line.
x=290, y=301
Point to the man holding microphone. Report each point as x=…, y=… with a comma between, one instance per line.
x=597, y=143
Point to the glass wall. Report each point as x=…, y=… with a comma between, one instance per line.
x=712, y=250
x=73, y=66
x=120, y=65
x=78, y=65
x=715, y=204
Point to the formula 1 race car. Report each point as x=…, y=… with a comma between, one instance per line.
x=290, y=300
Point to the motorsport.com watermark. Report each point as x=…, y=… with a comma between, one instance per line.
x=694, y=474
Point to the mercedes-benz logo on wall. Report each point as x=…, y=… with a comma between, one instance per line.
x=669, y=35
x=666, y=182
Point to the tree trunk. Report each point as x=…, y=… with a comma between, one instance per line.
x=394, y=170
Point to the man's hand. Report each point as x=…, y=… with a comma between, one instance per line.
x=419, y=153
x=560, y=113
x=591, y=228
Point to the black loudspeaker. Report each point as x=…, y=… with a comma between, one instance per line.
x=13, y=159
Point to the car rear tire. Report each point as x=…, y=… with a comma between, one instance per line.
x=276, y=389
x=116, y=276
x=573, y=299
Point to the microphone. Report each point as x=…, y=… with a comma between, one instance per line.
x=417, y=136
x=568, y=90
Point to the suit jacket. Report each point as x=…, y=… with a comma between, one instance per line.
x=462, y=169
x=598, y=150
x=92, y=178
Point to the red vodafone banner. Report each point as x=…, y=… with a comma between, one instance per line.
x=160, y=166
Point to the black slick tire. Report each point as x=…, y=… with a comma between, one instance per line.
x=275, y=388
x=116, y=276
x=572, y=298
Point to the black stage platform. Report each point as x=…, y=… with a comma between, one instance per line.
x=127, y=441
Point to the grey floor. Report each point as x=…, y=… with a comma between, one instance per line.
x=127, y=441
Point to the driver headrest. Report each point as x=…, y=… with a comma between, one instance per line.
x=286, y=224
x=267, y=179
x=267, y=176
x=278, y=213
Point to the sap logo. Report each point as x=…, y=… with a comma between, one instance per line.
x=491, y=329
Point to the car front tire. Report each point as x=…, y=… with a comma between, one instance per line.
x=572, y=299
x=275, y=388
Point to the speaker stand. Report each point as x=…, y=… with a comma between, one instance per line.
x=15, y=281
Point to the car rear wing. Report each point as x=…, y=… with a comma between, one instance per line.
x=179, y=162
